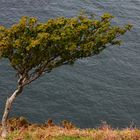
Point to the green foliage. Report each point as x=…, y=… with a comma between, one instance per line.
x=12, y=135
x=33, y=47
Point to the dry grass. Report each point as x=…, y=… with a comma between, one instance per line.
x=21, y=129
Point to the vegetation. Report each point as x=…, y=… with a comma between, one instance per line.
x=21, y=129
x=35, y=48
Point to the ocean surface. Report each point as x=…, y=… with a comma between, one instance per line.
x=105, y=87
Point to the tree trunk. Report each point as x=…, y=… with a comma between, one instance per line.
x=8, y=105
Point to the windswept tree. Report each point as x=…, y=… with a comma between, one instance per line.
x=35, y=48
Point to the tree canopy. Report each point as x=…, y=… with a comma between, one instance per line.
x=34, y=48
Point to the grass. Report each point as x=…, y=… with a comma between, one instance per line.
x=21, y=129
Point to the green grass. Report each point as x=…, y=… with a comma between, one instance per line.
x=20, y=129
x=72, y=138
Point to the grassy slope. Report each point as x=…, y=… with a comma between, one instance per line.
x=20, y=129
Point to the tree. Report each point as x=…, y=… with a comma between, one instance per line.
x=35, y=48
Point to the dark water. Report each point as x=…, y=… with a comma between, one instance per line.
x=101, y=88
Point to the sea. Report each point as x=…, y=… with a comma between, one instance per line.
x=101, y=88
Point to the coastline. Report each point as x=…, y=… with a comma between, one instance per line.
x=21, y=129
